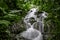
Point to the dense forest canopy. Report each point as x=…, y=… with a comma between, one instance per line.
x=12, y=11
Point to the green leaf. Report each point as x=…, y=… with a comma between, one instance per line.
x=4, y=22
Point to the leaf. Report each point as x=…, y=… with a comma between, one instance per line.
x=4, y=22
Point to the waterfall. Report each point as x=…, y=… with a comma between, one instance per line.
x=31, y=33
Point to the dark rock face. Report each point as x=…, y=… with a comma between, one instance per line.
x=16, y=28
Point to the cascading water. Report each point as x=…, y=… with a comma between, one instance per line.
x=31, y=33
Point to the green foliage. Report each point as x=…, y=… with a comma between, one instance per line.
x=11, y=17
x=6, y=19
x=3, y=28
x=4, y=22
x=3, y=4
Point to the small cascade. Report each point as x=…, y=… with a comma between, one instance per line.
x=31, y=33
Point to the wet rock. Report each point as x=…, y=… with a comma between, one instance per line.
x=32, y=20
x=16, y=28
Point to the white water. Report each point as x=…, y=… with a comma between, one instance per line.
x=31, y=33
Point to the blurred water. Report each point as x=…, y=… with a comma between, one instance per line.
x=31, y=33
